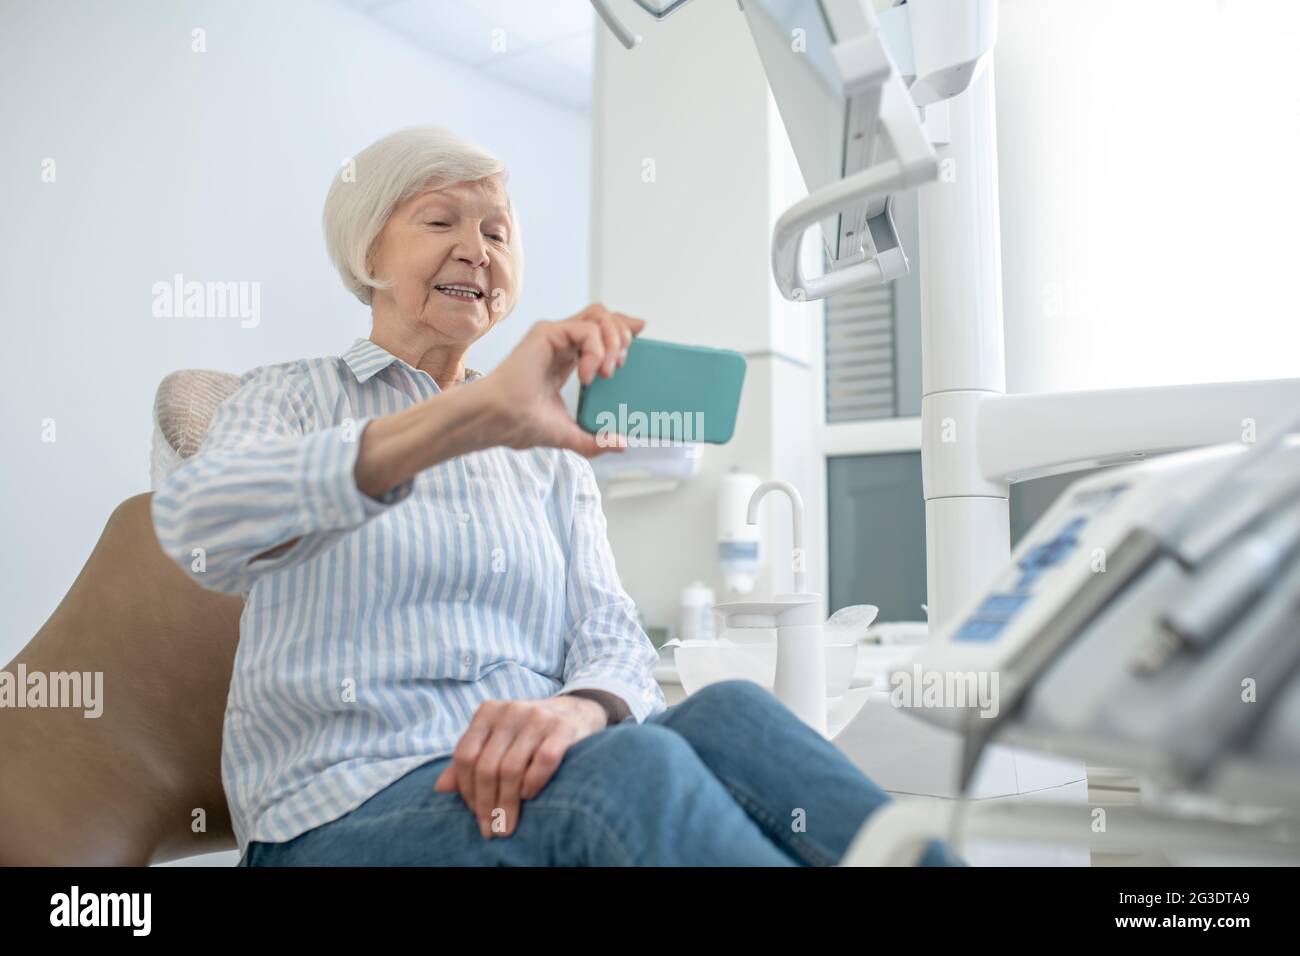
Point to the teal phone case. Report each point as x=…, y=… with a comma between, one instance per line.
x=667, y=392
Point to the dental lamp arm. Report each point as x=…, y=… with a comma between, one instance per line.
x=885, y=116
x=616, y=27
x=873, y=82
x=1025, y=436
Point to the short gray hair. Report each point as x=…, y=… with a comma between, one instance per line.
x=385, y=174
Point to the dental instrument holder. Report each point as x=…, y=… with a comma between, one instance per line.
x=800, y=681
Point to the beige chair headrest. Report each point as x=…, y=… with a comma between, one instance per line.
x=185, y=402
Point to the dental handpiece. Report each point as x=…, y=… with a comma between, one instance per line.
x=1223, y=590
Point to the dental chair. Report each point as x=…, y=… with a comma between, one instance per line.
x=141, y=783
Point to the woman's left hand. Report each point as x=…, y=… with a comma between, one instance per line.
x=510, y=751
x=524, y=394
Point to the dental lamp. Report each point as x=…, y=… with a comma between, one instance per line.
x=905, y=99
x=622, y=33
x=849, y=56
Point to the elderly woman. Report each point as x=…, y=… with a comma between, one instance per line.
x=437, y=661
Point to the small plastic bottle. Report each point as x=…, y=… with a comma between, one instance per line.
x=697, y=613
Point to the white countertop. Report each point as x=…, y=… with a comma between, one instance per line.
x=872, y=668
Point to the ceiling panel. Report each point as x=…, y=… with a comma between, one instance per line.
x=543, y=47
x=565, y=85
x=539, y=20
x=575, y=53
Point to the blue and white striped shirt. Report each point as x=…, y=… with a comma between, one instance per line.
x=366, y=648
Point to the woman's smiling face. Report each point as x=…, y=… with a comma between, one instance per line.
x=449, y=257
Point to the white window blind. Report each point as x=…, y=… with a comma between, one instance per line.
x=861, y=355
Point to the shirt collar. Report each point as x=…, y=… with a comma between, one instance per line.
x=366, y=359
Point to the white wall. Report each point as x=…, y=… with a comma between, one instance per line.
x=214, y=165
x=1146, y=153
x=688, y=251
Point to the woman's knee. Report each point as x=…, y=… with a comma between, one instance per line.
x=642, y=747
x=642, y=764
x=650, y=779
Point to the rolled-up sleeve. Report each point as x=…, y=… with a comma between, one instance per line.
x=605, y=646
x=264, y=475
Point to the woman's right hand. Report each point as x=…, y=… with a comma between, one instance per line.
x=525, y=387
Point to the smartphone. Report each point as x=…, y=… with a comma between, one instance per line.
x=666, y=393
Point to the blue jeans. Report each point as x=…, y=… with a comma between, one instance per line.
x=727, y=777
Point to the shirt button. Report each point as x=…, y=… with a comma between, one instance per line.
x=467, y=659
x=464, y=518
x=463, y=595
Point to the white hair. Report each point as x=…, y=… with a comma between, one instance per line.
x=388, y=172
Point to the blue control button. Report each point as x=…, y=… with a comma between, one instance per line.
x=1054, y=551
x=1027, y=580
x=1074, y=527
x=1048, y=553
x=980, y=630
x=991, y=617
x=1002, y=605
